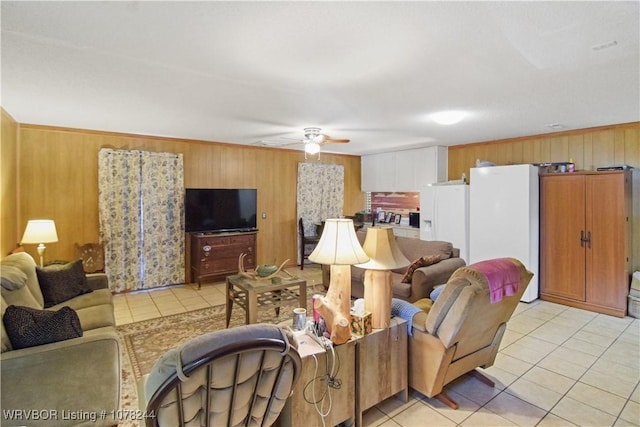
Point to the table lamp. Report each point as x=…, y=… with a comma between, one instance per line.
x=40, y=231
x=338, y=247
x=380, y=245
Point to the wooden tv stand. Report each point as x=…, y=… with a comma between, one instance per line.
x=215, y=255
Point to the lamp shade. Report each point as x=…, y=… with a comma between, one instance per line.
x=338, y=244
x=384, y=254
x=40, y=231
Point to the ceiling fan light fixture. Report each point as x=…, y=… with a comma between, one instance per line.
x=311, y=148
x=450, y=117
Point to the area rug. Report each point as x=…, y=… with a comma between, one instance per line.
x=142, y=343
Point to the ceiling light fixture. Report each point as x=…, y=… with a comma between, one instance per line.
x=450, y=117
x=311, y=148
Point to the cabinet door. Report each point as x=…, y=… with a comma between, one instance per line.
x=562, y=214
x=431, y=166
x=606, y=276
x=405, y=170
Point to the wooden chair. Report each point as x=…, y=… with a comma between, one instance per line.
x=305, y=241
x=241, y=376
x=92, y=255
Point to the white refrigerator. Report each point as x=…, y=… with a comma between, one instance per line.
x=444, y=215
x=504, y=217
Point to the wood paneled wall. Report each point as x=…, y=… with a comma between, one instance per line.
x=589, y=148
x=58, y=179
x=9, y=185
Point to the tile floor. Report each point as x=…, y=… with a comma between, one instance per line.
x=557, y=366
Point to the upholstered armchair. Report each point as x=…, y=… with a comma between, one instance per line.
x=463, y=328
x=238, y=376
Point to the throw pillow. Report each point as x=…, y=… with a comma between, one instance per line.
x=420, y=262
x=62, y=282
x=28, y=327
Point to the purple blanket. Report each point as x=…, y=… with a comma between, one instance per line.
x=503, y=277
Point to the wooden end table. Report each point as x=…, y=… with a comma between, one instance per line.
x=250, y=294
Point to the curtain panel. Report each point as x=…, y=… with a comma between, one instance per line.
x=141, y=208
x=320, y=195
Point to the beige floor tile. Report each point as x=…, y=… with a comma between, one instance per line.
x=635, y=396
x=466, y=407
x=486, y=418
x=574, y=356
x=525, y=352
x=172, y=310
x=582, y=414
x=554, y=333
x=588, y=336
x=389, y=423
x=146, y=316
x=624, y=353
x=561, y=366
x=524, y=323
x=551, y=380
x=511, y=364
x=472, y=389
x=631, y=413
x=616, y=370
x=215, y=299
x=577, y=314
x=195, y=303
x=374, y=417
x=539, y=313
x=420, y=414
x=160, y=293
x=392, y=406
x=609, y=381
x=551, y=420
x=500, y=377
x=509, y=338
x=516, y=410
x=592, y=348
x=568, y=320
x=533, y=393
x=124, y=319
x=144, y=309
x=599, y=399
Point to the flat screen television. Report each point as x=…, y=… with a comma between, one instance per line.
x=219, y=210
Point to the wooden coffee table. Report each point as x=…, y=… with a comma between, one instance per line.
x=251, y=294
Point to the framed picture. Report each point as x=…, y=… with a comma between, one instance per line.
x=389, y=218
x=397, y=218
x=381, y=216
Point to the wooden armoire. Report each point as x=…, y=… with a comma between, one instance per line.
x=585, y=240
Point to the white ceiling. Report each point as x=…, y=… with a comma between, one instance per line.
x=243, y=72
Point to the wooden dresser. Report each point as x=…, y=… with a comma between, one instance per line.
x=215, y=256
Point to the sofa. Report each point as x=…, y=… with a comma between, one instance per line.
x=423, y=279
x=69, y=381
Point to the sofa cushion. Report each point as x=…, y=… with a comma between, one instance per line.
x=6, y=342
x=12, y=277
x=28, y=327
x=416, y=248
x=420, y=262
x=62, y=282
x=24, y=262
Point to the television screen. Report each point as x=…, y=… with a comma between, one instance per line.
x=220, y=209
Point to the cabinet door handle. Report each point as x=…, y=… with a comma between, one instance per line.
x=582, y=238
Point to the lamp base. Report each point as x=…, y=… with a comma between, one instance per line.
x=41, y=248
x=335, y=307
x=378, y=291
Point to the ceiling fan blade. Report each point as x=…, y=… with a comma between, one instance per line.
x=336, y=141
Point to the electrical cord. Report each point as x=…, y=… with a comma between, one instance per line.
x=331, y=379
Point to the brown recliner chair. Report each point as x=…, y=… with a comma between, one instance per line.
x=463, y=329
x=233, y=377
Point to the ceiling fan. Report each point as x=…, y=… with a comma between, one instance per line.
x=313, y=140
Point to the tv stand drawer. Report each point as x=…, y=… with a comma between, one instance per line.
x=214, y=256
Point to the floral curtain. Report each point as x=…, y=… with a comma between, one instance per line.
x=141, y=205
x=320, y=194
